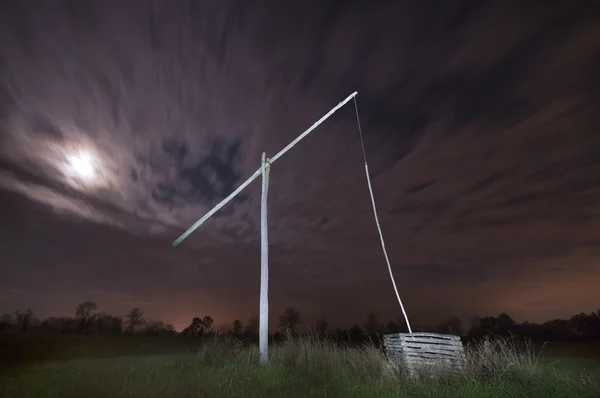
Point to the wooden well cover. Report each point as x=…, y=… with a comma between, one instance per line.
x=426, y=353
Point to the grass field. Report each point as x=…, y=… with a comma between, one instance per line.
x=573, y=357
x=177, y=367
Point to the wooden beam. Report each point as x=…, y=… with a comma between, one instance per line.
x=259, y=172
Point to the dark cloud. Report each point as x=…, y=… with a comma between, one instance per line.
x=479, y=121
x=419, y=187
x=484, y=183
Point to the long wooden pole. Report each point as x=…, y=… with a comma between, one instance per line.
x=264, y=264
x=259, y=171
x=263, y=330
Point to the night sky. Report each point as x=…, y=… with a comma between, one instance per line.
x=481, y=126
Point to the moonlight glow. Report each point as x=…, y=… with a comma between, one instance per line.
x=81, y=165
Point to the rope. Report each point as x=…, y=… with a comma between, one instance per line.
x=377, y=218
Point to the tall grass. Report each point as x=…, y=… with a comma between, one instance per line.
x=314, y=354
x=299, y=366
x=488, y=358
x=503, y=357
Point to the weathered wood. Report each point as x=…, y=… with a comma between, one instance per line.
x=430, y=348
x=263, y=329
x=423, y=359
x=433, y=352
x=217, y=208
x=443, y=357
x=442, y=351
x=426, y=353
x=311, y=128
x=416, y=335
x=431, y=362
x=416, y=343
x=263, y=170
x=259, y=172
x=447, y=343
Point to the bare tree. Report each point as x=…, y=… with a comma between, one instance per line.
x=55, y=325
x=196, y=323
x=452, y=325
x=237, y=327
x=321, y=327
x=158, y=328
x=24, y=319
x=135, y=319
x=207, y=322
x=392, y=327
x=355, y=332
x=194, y=327
x=372, y=325
x=84, y=314
x=252, y=326
x=6, y=323
x=103, y=323
x=289, y=320
x=223, y=329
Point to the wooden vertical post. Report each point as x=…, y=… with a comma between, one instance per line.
x=263, y=330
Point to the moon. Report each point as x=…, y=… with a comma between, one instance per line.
x=81, y=164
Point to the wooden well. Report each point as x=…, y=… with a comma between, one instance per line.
x=429, y=354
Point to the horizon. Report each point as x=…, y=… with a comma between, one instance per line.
x=303, y=325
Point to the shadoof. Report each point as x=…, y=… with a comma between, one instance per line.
x=416, y=351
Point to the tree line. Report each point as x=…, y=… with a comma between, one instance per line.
x=88, y=320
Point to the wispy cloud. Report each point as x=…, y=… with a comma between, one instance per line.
x=483, y=157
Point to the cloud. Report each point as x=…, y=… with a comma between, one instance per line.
x=482, y=156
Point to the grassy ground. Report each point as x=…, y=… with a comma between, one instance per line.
x=573, y=357
x=143, y=367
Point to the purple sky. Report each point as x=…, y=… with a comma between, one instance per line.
x=480, y=122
